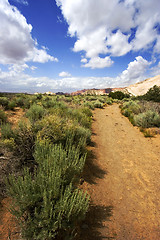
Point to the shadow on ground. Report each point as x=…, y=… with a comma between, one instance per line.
x=91, y=170
x=90, y=228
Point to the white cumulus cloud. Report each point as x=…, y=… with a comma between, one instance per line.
x=135, y=71
x=98, y=62
x=112, y=28
x=16, y=43
x=64, y=74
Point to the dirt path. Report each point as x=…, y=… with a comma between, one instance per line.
x=123, y=180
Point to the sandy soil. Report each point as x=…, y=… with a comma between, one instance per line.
x=123, y=180
x=122, y=176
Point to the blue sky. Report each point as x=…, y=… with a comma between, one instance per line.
x=66, y=45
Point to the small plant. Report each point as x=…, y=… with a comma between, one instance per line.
x=6, y=131
x=147, y=119
x=3, y=117
x=11, y=105
x=147, y=132
x=24, y=139
x=4, y=102
x=98, y=104
x=36, y=112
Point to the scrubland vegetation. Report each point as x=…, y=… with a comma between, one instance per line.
x=47, y=148
x=49, y=145
x=144, y=111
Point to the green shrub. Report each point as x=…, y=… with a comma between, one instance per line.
x=11, y=105
x=6, y=131
x=147, y=119
x=58, y=129
x=24, y=138
x=47, y=204
x=130, y=108
x=153, y=94
x=35, y=112
x=4, y=102
x=109, y=101
x=89, y=105
x=3, y=117
x=118, y=95
x=98, y=104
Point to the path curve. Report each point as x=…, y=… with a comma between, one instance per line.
x=123, y=180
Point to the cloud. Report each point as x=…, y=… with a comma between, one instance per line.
x=84, y=60
x=16, y=80
x=98, y=62
x=155, y=70
x=64, y=74
x=33, y=68
x=122, y=47
x=16, y=43
x=135, y=71
x=112, y=28
x=24, y=2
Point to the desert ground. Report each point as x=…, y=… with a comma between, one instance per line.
x=123, y=180
x=122, y=176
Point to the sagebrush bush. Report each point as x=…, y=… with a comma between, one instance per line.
x=147, y=119
x=131, y=106
x=6, y=131
x=4, y=102
x=11, y=105
x=35, y=112
x=3, y=117
x=98, y=104
x=48, y=201
x=89, y=105
x=58, y=129
x=24, y=139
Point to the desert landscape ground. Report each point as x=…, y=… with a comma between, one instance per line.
x=88, y=162
x=122, y=176
x=123, y=180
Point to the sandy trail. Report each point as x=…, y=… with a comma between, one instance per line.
x=123, y=180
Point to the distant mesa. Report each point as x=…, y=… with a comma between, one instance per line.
x=136, y=89
x=95, y=91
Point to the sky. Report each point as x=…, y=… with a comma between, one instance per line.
x=69, y=45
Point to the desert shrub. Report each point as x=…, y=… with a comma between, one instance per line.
x=4, y=102
x=58, y=129
x=98, y=104
x=118, y=95
x=47, y=204
x=149, y=105
x=52, y=127
x=109, y=101
x=35, y=112
x=131, y=107
x=147, y=119
x=153, y=94
x=89, y=105
x=81, y=115
x=24, y=139
x=6, y=131
x=39, y=96
x=87, y=111
x=11, y=105
x=3, y=117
